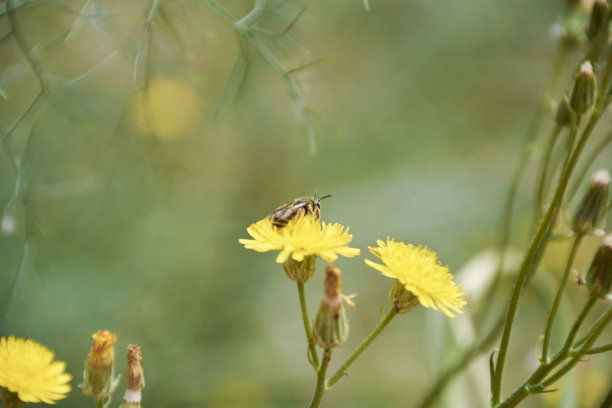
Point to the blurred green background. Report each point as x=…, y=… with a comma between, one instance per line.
x=136, y=174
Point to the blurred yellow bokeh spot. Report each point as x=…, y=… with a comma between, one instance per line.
x=169, y=108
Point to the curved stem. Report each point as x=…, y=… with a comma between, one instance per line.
x=535, y=381
x=320, y=389
x=577, y=356
x=588, y=161
x=530, y=136
x=364, y=344
x=306, y=320
x=537, y=246
x=607, y=401
x=434, y=391
x=557, y=301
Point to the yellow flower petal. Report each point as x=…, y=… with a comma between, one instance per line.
x=27, y=369
x=300, y=238
x=419, y=270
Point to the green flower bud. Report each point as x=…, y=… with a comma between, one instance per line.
x=591, y=213
x=564, y=114
x=98, y=382
x=583, y=93
x=403, y=300
x=599, y=275
x=300, y=271
x=330, y=327
x=597, y=19
x=572, y=30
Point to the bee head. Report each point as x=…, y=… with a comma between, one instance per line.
x=316, y=202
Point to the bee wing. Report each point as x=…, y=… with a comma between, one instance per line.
x=281, y=212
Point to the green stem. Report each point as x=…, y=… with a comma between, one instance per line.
x=574, y=331
x=306, y=320
x=543, y=184
x=596, y=330
x=253, y=16
x=434, y=391
x=588, y=161
x=534, y=382
x=531, y=134
x=321, y=388
x=557, y=301
x=607, y=401
x=600, y=349
x=537, y=246
x=364, y=344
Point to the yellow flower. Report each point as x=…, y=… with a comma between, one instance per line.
x=27, y=369
x=99, y=382
x=300, y=238
x=418, y=269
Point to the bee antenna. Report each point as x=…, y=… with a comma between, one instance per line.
x=329, y=195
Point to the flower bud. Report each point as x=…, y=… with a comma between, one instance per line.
x=403, y=300
x=98, y=381
x=583, y=93
x=599, y=275
x=135, y=378
x=597, y=19
x=591, y=214
x=572, y=30
x=563, y=116
x=300, y=271
x=330, y=327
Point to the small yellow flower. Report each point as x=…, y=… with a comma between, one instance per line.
x=99, y=382
x=418, y=269
x=300, y=238
x=27, y=369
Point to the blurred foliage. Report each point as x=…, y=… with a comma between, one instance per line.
x=141, y=138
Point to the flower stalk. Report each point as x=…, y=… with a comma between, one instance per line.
x=313, y=357
x=556, y=303
x=364, y=344
x=536, y=247
x=320, y=387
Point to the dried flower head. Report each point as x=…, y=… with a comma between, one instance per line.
x=135, y=378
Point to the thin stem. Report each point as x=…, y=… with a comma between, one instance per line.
x=253, y=16
x=321, y=388
x=311, y=348
x=542, y=185
x=443, y=379
x=537, y=246
x=577, y=356
x=600, y=349
x=534, y=382
x=579, y=320
x=364, y=344
x=530, y=136
x=557, y=301
x=607, y=401
x=589, y=160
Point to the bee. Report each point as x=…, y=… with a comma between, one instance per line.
x=296, y=209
